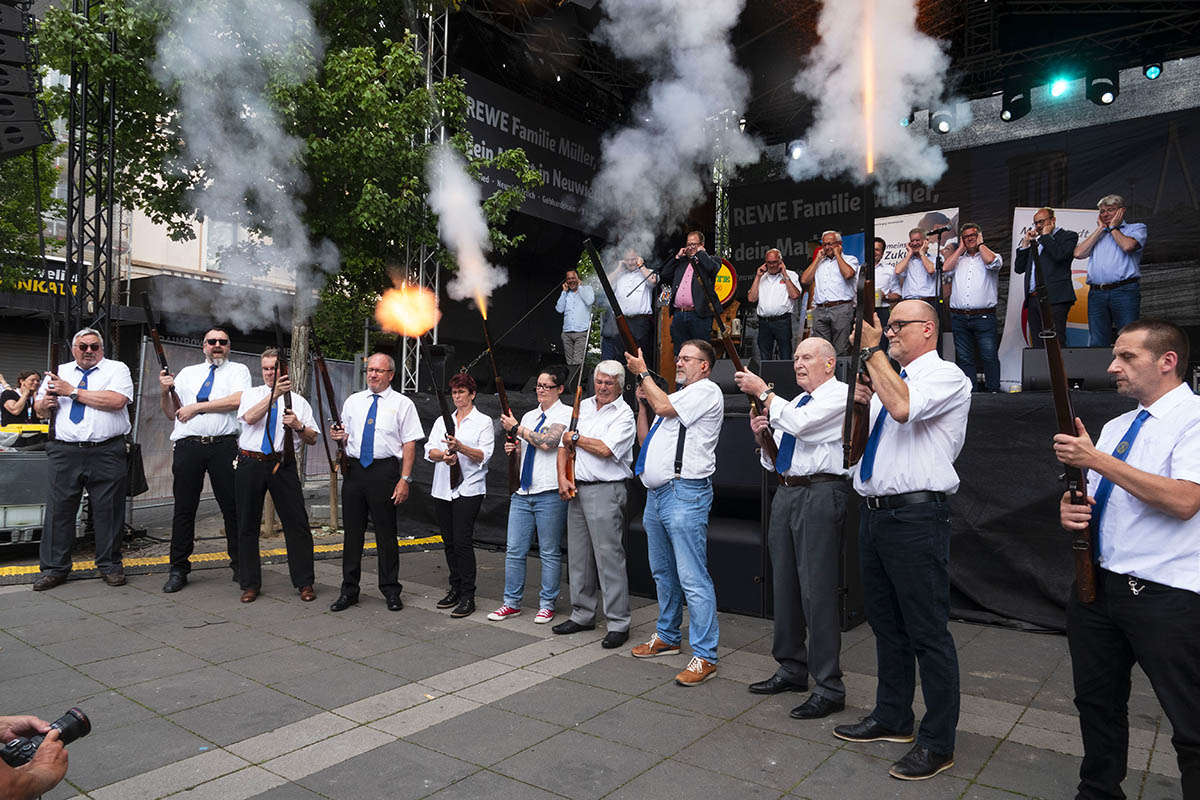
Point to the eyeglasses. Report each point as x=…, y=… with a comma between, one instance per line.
x=688, y=358
x=222, y=342
x=970, y=236
x=545, y=387
x=1040, y=222
x=693, y=244
x=897, y=325
x=95, y=347
x=378, y=371
x=773, y=263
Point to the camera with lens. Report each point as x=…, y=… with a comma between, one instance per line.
x=21, y=749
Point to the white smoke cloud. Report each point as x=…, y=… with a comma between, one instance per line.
x=655, y=170
x=456, y=198
x=910, y=72
x=221, y=56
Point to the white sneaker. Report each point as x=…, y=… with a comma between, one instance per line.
x=503, y=613
x=544, y=615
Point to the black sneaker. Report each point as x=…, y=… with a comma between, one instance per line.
x=921, y=763
x=465, y=608
x=868, y=730
x=450, y=600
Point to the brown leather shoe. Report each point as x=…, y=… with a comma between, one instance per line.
x=115, y=578
x=250, y=595
x=48, y=581
x=307, y=594
x=654, y=647
x=697, y=672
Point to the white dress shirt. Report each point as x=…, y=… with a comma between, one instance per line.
x=96, y=425
x=229, y=378
x=396, y=423
x=976, y=283
x=614, y=424
x=474, y=431
x=1033, y=277
x=830, y=285
x=1136, y=539
x=817, y=428
x=701, y=407
x=773, y=300
x=252, y=435
x=886, y=282
x=545, y=462
x=919, y=454
x=916, y=282
x=638, y=303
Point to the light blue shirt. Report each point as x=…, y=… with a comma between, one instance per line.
x=576, y=308
x=1108, y=263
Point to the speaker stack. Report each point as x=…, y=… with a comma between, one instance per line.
x=23, y=124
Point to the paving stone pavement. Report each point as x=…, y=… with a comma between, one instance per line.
x=200, y=694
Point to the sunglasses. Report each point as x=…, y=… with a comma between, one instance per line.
x=222, y=342
x=85, y=346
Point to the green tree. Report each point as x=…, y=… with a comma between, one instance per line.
x=19, y=224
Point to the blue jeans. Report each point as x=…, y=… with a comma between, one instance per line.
x=772, y=332
x=548, y=513
x=676, y=522
x=689, y=325
x=977, y=332
x=1111, y=310
x=904, y=554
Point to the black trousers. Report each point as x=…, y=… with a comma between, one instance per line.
x=1158, y=629
x=254, y=479
x=192, y=460
x=1057, y=310
x=103, y=470
x=456, y=518
x=368, y=491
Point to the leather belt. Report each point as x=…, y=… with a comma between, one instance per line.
x=109, y=440
x=932, y=300
x=681, y=308
x=209, y=439
x=597, y=483
x=888, y=501
x=638, y=316
x=833, y=303
x=1104, y=287
x=973, y=312
x=253, y=456
x=777, y=316
x=792, y=481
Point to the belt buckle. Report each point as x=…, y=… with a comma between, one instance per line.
x=873, y=503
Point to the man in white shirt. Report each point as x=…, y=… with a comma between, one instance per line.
x=88, y=397
x=575, y=304
x=262, y=466
x=204, y=441
x=603, y=450
x=918, y=424
x=633, y=282
x=776, y=289
x=887, y=285
x=676, y=462
x=805, y=535
x=834, y=278
x=975, y=268
x=1143, y=498
x=380, y=428
x=916, y=270
x=1114, y=253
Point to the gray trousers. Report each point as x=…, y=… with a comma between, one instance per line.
x=574, y=346
x=104, y=471
x=835, y=325
x=805, y=541
x=596, y=556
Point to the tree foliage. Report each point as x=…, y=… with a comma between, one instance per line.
x=19, y=197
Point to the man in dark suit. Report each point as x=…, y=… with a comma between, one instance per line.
x=691, y=318
x=1056, y=251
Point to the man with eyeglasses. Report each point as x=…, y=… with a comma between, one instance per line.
x=603, y=449
x=676, y=462
x=776, y=289
x=1114, y=253
x=918, y=421
x=380, y=428
x=204, y=441
x=887, y=285
x=916, y=270
x=975, y=268
x=834, y=278
x=691, y=317
x=88, y=397
x=575, y=304
x=1056, y=251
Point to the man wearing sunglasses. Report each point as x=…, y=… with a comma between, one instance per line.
x=1056, y=251
x=204, y=441
x=88, y=397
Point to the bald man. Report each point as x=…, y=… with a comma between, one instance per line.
x=805, y=535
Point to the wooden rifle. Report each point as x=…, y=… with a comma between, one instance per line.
x=857, y=422
x=343, y=461
x=1085, y=567
x=51, y=427
x=514, y=458
x=152, y=324
x=456, y=475
x=569, y=466
x=281, y=371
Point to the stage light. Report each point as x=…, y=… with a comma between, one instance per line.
x=906, y=121
x=1058, y=87
x=1016, y=102
x=941, y=120
x=1103, y=85
x=1152, y=71
x=795, y=149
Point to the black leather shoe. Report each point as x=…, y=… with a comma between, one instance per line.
x=777, y=685
x=868, y=730
x=175, y=582
x=921, y=763
x=449, y=601
x=115, y=578
x=48, y=581
x=571, y=626
x=395, y=603
x=614, y=639
x=342, y=603
x=816, y=707
x=465, y=608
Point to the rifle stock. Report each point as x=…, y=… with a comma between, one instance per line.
x=343, y=461
x=569, y=466
x=456, y=475
x=858, y=416
x=152, y=324
x=281, y=371
x=514, y=458
x=51, y=427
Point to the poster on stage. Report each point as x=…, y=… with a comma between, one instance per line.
x=894, y=230
x=1016, y=330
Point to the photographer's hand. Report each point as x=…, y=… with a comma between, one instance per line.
x=12, y=727
x=48, y=767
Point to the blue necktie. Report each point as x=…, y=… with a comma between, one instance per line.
x=206, y=387
x=867, y=467
x=527, y=464
x=268, y=443
x=77, y=407
x=787, y=444
x=1106, y=486
x=640, y=466
x=366, y=452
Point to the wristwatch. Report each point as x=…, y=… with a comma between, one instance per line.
x=865, y=354
x=406, y=478
x=574, y=437
x=74, y=395
x=762, y=398
x=641, y=376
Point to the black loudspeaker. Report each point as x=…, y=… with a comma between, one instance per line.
x=781, y=376
x=722, y=375
x=1087, y=368
x=22, y=114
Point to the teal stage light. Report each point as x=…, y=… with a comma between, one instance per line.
x=1058, y=87
x=1152, y=71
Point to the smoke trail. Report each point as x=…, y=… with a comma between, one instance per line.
x=222, y=58
x=910, y=71
x=654, y=171
x=457, y=201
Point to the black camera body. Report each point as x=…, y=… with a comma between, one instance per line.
x=71, y=726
